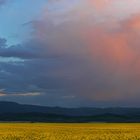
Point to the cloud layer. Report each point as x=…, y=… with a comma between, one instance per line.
x=79, y=53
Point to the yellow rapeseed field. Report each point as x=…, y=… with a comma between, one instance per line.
x=62, y=131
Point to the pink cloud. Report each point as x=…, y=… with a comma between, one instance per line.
x=100, y=48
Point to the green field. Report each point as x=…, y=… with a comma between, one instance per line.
x=61, y=131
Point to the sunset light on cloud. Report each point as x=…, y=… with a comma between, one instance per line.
x=85, y=49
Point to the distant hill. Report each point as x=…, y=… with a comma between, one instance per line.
x=11, y=111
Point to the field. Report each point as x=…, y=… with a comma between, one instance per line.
x=61, y=131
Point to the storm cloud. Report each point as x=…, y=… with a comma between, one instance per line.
x=79, y=53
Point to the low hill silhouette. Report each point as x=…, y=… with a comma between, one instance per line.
x=12, y=111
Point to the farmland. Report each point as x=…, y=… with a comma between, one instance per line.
x=62, y=131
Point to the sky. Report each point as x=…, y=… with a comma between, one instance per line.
x=70, y=53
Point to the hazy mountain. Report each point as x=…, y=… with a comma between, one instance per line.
x=11, y=111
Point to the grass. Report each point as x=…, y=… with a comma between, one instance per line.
x=62, y=131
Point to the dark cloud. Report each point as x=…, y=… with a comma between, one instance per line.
x=3, y=43
x=72, y=61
